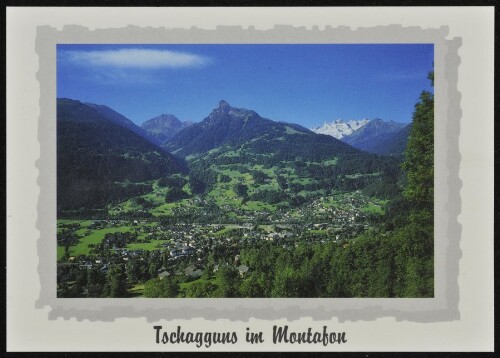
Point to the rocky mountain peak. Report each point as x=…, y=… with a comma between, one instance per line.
x=163, y=120
x=223, y=104
x=164, y=127
x=223, y=108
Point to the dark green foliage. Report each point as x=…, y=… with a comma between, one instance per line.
x=172, y=181
x=419, y=162
x=282, y=182
x=254, y=285
x=229, y=282
x=419, y=166
x=200, y=289
x=140, y=270
x=96, y=281
x=382, y=190
x=241, y=190
x=224, y=178
x=374, y=265
x=197, y=184
x=201, y=178
x=397, y=213
x=94, y=154
x=175, y=194
x=270, y=196
x=161, y=288
x=416, y=257
x=143, y=202
x=116, y=285
x=259, y=177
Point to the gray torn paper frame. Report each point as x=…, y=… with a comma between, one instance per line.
x=447, y=201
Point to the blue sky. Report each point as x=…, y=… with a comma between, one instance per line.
x=305, y=84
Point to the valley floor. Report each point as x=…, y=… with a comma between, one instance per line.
x=167, y=247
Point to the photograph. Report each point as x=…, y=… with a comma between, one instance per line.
x=245, y=171
x=250, y=179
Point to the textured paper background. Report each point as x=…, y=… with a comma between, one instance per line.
x=474, y=329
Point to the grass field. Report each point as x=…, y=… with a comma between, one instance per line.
x=223, y=231
x=373, y=209
x=184, y=286
x=82, y=223
x=259, y=206
x=60, y=252
x=137, y=290
x=166, y=209
x=147, y=246
x=317, y=231
x=82, y=248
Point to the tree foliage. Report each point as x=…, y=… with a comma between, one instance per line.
x=419, y=155
x=116, y=285
x=161, y=288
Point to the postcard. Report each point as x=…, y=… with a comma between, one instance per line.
x=249, y=184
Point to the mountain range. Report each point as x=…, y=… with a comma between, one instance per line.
x=240, y=128
x=272, y=162
x=375, y=136
x=340, y=129
x=104, y=158
x=372, y=134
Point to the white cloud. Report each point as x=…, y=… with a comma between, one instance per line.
x=136, y=58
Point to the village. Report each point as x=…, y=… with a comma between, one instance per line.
x=189, y=249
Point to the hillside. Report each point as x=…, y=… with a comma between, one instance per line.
x=372, y=134
x=120, y=120
x=396, y=144
x=248, y=164
x=240, y=165
x=99, y=161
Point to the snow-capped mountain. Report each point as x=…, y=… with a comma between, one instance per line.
x=340, y=129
